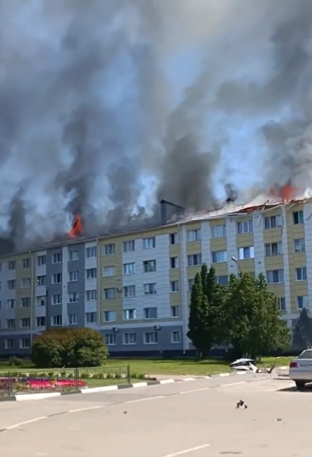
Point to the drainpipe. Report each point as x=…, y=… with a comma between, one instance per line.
x=32, y=295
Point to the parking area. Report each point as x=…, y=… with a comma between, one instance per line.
x=195, y=419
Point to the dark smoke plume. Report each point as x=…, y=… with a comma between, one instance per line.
x=99, y=116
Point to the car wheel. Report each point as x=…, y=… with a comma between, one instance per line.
x=300, y=385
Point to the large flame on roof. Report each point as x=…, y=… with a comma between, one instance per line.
x=285, y=193
x=77, y=228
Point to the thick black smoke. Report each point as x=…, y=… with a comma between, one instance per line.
x=93, y=119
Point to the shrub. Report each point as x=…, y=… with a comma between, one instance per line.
x=15, y=362
x=69, y=347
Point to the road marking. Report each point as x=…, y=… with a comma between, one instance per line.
x=31, y=421
x=187, y=451
x=232, y=384
x=194, y=390
x=85, y=409
x=144, y=399
x=223, y=375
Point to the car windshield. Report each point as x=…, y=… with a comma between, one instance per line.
x=307, y=354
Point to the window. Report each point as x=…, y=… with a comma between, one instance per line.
x=109, y=249
x=129, y=246
x=303, y=302
x=150, y=338
x=275, y=276
x=150, y=313
x=149, y=243
x=41, y=301
x=41, y=260
x=129, y=314
x=173, y=238
x=174, y=262
x=90, y=318
x=10, y=323
x=129, y=268
x=41, y=280
x=129, y=338
x=11, y=303
x=25, y=323
x=299, y=245
x=11, y=265
x=109, y=316
x=281, y=303
x=271, y=222
x=11, y=284
x=190, y=284
x=91, y=273
x=24, y=343
x=150, y=289
x=298, y=217
x=176, y=337
x=174, y=286
x=57, y=278
x=74, y=297
x=244, y=227
x=273, y=249
x=149, y=266
x=110, y=339
x=57, y=257
x=218, y=231
x=0, y=266
x=9, y=344
x=91, y=295
x=73, y=276
x=25, y=283
x=301, y=274
x=40, y=321
x=72, y=319
x=246, y=253
x=175, y=311
x=56, y=321
x=224, y=279
x=193, y=235
x=194, y=259
x=73, y=255
x=26, y=263
x=110, y=293
x=57, y=299
x=91, y=252
x=25, y=302
x=219, y=256
x=129, y=291
x=109, y=271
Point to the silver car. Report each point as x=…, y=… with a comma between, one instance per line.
x=300, y=369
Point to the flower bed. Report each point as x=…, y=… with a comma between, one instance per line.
x=31, y=383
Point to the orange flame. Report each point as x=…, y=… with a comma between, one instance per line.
x=77, y=228
x=285, y=193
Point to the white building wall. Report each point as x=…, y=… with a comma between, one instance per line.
x=231, y=246
x=40, y=291
x=259, y=244
x=205, y=243
x=286, y=254
x=93, y=284
x=65, y=279
x=307, y=211
x=184, y=286
x=6, y=294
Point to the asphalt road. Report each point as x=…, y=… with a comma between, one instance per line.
x=195, y=419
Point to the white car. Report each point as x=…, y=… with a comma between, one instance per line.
x=300, y=369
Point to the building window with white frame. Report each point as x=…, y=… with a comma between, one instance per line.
x=175, y=311
x=129, y=291
x=73, y=256
x=57, y=278
x=73, y=276
x=174, y=286
x=194, y=260
x=174, y=262
x=281, y=303
x=129, y=246
x=91, y=318
x=72, y=319
x=56, y=299
x=150, y=313
x=223, y=279
x=193, y=235
x=25, y=322
x=41, y=260
x=109, y=272
x=26, y=262
x=129, y=339
x=129, y=268
x=298, y=217
x=244, y=227
x=10, y=324
x=149, y=243
x=91, y=252
x=129, y=314
x=26, y=282
x=41, y=280
x=74, y=297
x=219, y=256
x=10, y=303
x=8, y=343
x=91, y=295
x=149, y=266
x=275, y=276
x=272, y=222
x=11, y=284
x=109, y=249
x=109, y=316
x=301, y=274
x=150, y=289
x=246, y=253
x=11, y=265
x=218, y=231
x=150, y=337
x=175, y=337
x=190, y=284
x=109, y=293
x=303, y=302
x=25, y=302
x=91, y=273
x=299, y=245
x=273, y=249
x=173, y=238
x=57, y=257
x=40, y=321
x=24, y=343
x=57, y=321
x=110, y=339
x=41, y=300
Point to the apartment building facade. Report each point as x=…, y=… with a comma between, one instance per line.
x=135, y=287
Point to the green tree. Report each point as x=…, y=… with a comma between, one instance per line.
x=69, y=347
x=252, y=321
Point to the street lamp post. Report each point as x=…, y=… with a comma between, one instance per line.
x=238, y=266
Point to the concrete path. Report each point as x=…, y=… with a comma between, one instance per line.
x=195, y=419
